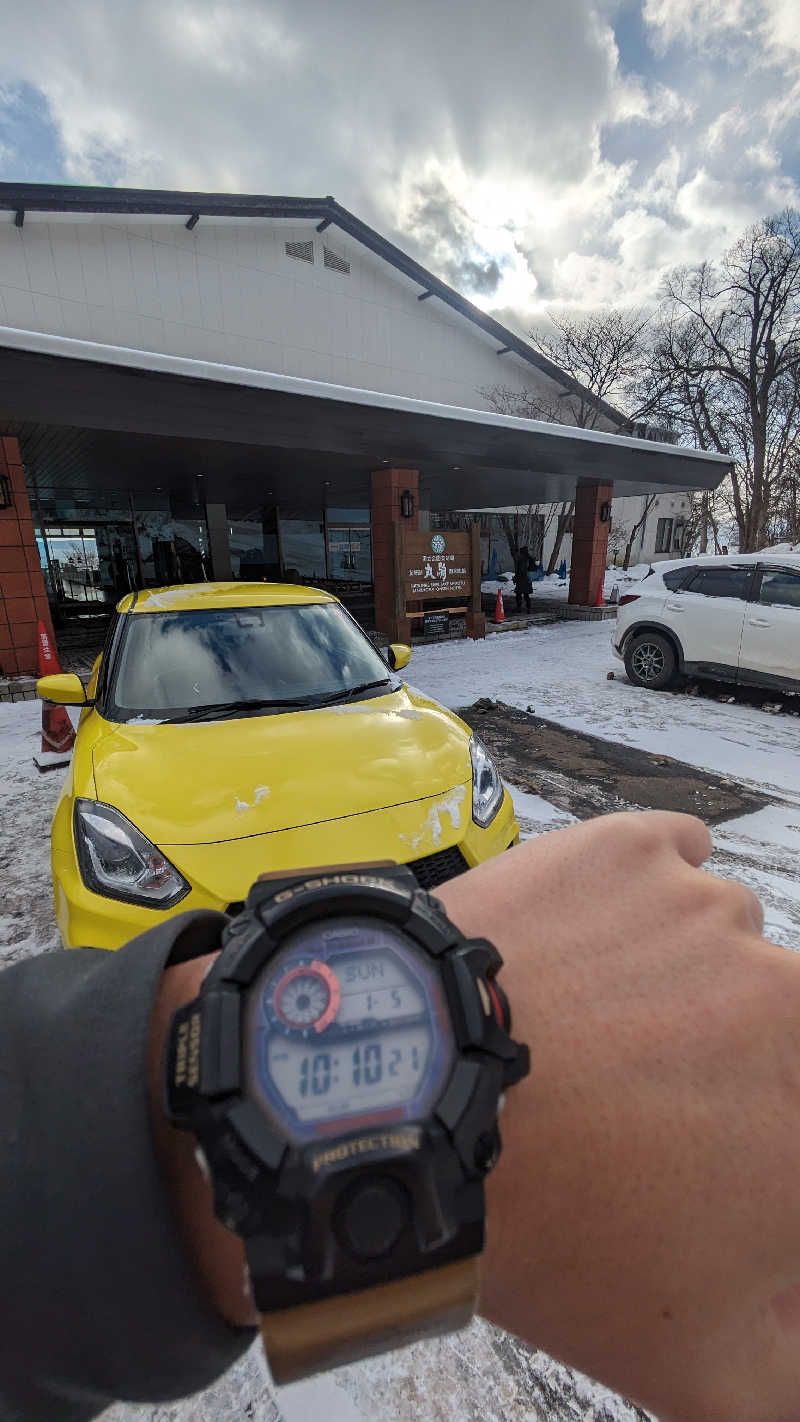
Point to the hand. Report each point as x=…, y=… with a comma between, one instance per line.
x=644, y=1220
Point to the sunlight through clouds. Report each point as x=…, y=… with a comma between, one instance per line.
x=537, y=155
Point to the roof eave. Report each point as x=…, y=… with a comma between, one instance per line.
x=141, y=202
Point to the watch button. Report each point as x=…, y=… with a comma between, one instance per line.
x=372, y=1216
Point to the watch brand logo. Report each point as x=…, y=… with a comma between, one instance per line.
x=187, y=1052
x=324, y=883
x=408, y=1139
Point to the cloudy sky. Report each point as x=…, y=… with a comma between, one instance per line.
x=532, y=152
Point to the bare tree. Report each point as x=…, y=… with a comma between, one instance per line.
x=604, y=354
x=523, y=529
x=727, y=366
x=640, y=523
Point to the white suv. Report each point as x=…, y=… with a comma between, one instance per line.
x=734, y=618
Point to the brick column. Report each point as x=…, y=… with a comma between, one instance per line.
x=387, y=486
x=589, y=542
x=23, y=597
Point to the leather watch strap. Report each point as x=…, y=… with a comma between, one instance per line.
x=313, y=1337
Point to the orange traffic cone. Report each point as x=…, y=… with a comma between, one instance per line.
x=499, y=610
x=600, y=600
x=58, y=734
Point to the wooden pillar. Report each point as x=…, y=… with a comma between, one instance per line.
x=387, y=486
x=476, y=618
x=589, y=542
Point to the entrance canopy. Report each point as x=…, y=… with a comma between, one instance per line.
x=97, y=417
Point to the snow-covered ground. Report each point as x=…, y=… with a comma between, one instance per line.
x=556, y=588
x=559, y=671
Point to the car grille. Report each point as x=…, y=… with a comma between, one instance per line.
x=438, y=868
x=430, y=871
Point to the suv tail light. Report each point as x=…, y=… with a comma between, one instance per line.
x=629, y=597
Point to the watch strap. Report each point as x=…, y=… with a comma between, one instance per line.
x=327, y=1333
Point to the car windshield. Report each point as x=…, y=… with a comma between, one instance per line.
x=240, y=661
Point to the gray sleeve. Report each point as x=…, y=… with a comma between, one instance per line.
x=99, y=1300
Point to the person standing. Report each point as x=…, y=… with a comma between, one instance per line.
x=522, y=578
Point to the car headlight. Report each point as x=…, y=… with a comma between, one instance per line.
x=117, y=861
x=487, y=787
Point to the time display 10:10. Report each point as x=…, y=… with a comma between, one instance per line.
x=367, y=1067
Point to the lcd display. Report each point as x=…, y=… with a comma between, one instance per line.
x=347, y=1023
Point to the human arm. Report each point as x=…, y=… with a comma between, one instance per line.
x=100, y=1299
x=642, y=1222
x=643, y=1219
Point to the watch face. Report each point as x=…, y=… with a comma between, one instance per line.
x=347, y=1027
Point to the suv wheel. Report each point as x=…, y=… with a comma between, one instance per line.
x=650, y=661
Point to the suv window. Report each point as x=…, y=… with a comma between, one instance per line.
x=779, y=588
x=677, y=577
x=720, y=582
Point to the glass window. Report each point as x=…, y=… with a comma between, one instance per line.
x=174, y=662
x=254, y=548
x=664, y=535
x=355, y=515
x=720, y=582
x=677, y=577
x=172, y=550
x=303, y=549
x=350, y=554
x=780, y=588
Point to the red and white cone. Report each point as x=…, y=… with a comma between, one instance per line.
x=499, y=610
x=600, y=600
x=58, y=733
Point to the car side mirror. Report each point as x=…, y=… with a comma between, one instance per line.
x=398, y=655
x=65, y=689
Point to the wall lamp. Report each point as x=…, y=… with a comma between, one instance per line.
x=407, y=504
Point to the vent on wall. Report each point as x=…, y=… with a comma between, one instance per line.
x=303, y=251
x=336, y=264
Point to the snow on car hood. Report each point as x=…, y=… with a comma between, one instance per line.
x=222, y=780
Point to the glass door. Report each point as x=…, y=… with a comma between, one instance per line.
x=349, y=554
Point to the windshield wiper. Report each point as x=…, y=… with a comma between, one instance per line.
x=351, y=691
x=225, y=710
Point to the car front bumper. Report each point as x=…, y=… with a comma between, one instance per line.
x=420, y=834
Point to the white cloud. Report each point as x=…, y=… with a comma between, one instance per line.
x=512, y=152
x=729, y=124
x=705, y=23
x=655, y=103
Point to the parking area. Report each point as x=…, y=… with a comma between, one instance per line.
x=571, y=743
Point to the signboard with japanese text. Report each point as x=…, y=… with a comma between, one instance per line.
x=437, y=565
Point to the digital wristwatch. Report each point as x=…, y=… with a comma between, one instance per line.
x=341, y=1070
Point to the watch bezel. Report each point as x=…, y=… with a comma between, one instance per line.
x=263, y=1180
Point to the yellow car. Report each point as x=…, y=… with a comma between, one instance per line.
x=233, y=728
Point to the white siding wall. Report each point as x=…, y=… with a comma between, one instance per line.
x=228, y=292
x=626, y=512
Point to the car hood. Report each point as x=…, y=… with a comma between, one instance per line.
x=224, y=780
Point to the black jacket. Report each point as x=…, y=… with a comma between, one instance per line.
x=522, y=579
x=99, y=1301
